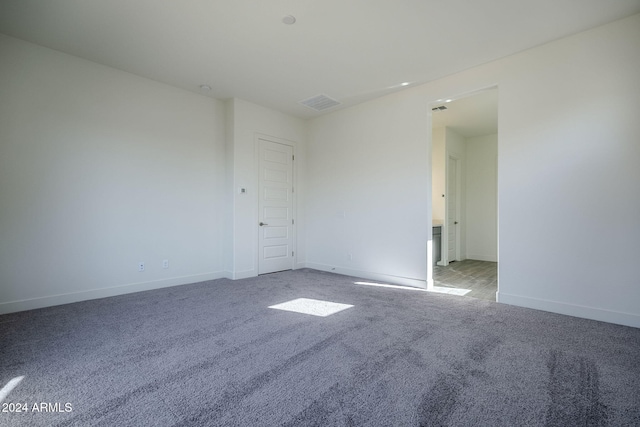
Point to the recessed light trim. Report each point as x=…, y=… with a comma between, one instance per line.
x=289, y=19
x=205, y=87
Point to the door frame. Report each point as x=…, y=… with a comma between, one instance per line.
x=459, y=165
x=434, y=103
x=294, y=216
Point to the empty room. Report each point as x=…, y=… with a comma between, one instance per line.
x=222, y=213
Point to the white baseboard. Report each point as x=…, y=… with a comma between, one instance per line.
x=244, y=274
x=52, y=300
x=592, y=313
x=479, y=257
x=386, y=278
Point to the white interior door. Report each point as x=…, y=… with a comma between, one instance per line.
x=275, y=205
x=452, y=209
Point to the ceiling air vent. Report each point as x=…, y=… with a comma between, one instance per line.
x=320, y=102
x=440, y=108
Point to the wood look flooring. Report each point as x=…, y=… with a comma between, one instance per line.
x=480, y=277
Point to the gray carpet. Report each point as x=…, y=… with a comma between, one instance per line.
x=213, y=354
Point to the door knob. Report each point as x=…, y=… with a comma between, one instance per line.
x=262, y=223
x=456, y=222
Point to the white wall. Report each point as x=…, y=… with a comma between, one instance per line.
x=569, y=175
x=101, y=169
x=248, y=121
x=569, y=172
x=438, y=178
x=228, y=243
x=369, y=190
x=482, y=198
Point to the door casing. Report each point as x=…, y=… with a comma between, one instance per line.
x=258, y=214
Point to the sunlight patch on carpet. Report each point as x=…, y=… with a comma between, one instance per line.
x=4, y=392
x=436, y=289
x=313, y=307
x=383, y=285
x=450, y=291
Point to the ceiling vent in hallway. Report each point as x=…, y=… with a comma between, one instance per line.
x=320, y=102
x=440, y=108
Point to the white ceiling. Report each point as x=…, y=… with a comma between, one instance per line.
x=350, y=50
x=474, y=115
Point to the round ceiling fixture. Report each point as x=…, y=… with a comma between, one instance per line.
x=289, y=20
x=206, y=88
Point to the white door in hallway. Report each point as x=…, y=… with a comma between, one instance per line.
x=452, y=209
x=275, y=242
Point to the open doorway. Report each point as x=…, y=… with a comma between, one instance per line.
x=465, y=195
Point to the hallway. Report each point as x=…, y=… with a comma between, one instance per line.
x=480, y=277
